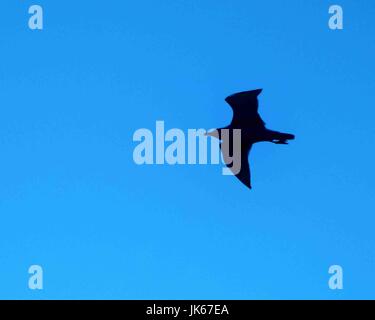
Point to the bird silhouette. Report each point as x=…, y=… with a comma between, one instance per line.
x=252, y=128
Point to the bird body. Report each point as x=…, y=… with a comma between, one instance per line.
x=248, y=122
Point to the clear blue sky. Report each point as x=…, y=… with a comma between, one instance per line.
x=73, y=201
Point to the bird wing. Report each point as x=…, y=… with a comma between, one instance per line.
x=245, y=109
x=244, y=175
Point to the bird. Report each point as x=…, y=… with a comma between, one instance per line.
x=252, y=128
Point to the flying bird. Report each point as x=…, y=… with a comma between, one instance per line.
x=252, y=130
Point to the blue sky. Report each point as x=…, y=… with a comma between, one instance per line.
x=73, y=201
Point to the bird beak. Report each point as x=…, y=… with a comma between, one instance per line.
x=213, y=133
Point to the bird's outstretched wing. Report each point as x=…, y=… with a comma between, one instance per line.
x=245, y=109
x=244, y=174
